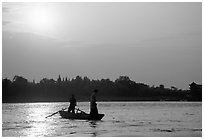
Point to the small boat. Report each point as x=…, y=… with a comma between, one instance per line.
x=81, y=116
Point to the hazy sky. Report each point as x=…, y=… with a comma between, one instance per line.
x=152, y=43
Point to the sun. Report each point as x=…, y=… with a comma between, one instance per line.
x=41, y=18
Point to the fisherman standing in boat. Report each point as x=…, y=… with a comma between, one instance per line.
x=93, y=105
x=72, y=104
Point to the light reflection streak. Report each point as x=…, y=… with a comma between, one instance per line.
x=36, y=118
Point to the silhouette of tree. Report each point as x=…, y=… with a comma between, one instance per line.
x=19, y=80
x=20, y=90
x=47, y=81
x=59, y=79
x=174, y=88
x=161, y=86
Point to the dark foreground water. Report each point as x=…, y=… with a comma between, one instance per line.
x=145, y=119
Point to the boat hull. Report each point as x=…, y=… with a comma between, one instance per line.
x=80, y=116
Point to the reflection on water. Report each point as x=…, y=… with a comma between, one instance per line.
x=123, y=119
x=35, y=117
x=93, y=125
x=39, y=126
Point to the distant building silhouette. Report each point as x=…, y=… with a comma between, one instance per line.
x=195, y=91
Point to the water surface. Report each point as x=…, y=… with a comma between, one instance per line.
x=147, y=119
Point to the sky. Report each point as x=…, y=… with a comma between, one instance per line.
x=152, y=43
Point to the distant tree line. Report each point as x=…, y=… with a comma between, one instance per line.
x=122, y=89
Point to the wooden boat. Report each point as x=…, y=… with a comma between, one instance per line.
x=81, y=116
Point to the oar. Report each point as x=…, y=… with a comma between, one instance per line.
x=80, y=110
x=54, y=113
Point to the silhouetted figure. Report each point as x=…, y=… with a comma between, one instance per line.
x=72, y=104
x=93, y=105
